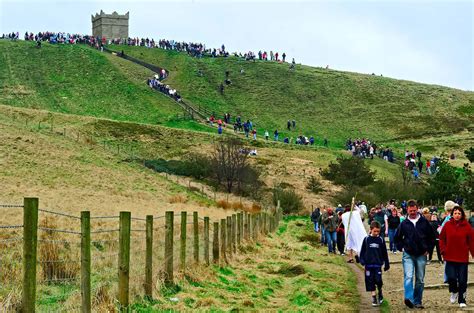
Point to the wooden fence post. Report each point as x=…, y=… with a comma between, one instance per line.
x=253, y=226
x=265, y=223
x=182, y=247
x=257, y=226
x=196, y=236
x=149, y=258
x=85, y=262
x=215, y=243
x=124, y=260
x=30, y=241
x=246, y=226
x=169, y=247
x=223, y=239
x=206, y=240
x=229, y=236
x=239, y=230
x=234, y=233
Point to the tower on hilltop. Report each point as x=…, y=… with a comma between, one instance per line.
x=110, y=26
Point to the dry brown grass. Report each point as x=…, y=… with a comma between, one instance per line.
x=223, y=204
x=178, y=199
x=58, y=262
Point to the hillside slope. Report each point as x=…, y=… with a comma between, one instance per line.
x=79, y=80
x=326, y=103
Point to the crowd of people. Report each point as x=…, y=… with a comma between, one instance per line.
x=194, y=49
x=156, y=84
x=411, y=230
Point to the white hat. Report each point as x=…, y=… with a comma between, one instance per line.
x=449, y=205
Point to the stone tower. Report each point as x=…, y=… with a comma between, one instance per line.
x=110, y=26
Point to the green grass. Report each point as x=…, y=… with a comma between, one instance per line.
x=326, y=103
x=79, y=80
x=264, y=280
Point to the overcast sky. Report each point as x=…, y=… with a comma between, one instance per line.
x=424, y=41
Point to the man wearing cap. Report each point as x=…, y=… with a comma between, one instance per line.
x=415, y=237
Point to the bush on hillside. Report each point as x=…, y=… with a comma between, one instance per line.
x=467, y=189
x=446, y=183
x=349, y=172
x=194, y=165
x=382, y=191
x=314, y=185
x=470, y=154
x=290, y=201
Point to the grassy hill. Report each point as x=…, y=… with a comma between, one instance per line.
x=80, y=80
x=327, y=103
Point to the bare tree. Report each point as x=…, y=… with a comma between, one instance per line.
x=229, y=161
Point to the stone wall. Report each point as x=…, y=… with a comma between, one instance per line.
x=110, y=26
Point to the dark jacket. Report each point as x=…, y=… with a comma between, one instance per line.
x=330, y=223
x=393, y=221
x=374, y=252
x=413, y=240
x=315, y=215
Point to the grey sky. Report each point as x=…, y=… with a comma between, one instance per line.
x=425, y=41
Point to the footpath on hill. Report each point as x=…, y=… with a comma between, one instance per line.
x=287, y=271
x=435, y=294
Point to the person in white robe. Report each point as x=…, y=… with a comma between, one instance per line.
x=355, y=232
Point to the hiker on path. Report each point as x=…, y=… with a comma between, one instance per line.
x=315, y=219
x=275, y=135
x=330, y=225
x=393, y=221
x=435, y=224
x=355, y=232
x=288, y=125
x=340, y=234
x=373, y=255
x=456, y=242
x=415, y=238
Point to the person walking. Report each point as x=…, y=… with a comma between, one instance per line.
x=456, y=241
x=373, y=255
x=414, y=237
x=393, y=220
x=315, y=219
x=330, y=221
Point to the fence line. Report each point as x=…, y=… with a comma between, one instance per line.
x=10, y=226
x=10, y=206
x=59, y=213
x=187, y=240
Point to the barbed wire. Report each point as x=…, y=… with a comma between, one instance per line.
x=12, y=239
x=59, y=241
x=104, y=231
x=141, y=219
x=57, y=261
x=60, y=230
x=10, y=226
x=58, y=280
x=158, y=217
x=59, y=213
x=104, y=241
x=11, y=206
x=104, y=217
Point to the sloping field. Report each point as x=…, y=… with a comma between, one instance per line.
x=326, y=103
x=79, y=80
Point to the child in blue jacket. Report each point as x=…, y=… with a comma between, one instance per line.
x=373, y=255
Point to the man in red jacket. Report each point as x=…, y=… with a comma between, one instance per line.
x=456, y=241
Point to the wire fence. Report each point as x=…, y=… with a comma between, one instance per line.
x=102, y=252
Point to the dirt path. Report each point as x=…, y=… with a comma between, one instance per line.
x=433, y=299
x=365, y=304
